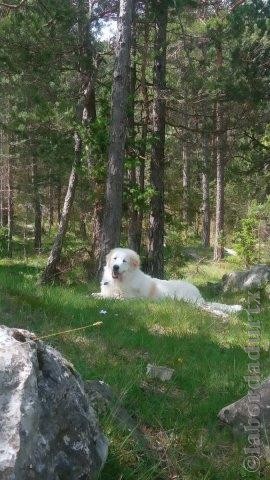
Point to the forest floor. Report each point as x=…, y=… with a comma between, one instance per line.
x=178, y=418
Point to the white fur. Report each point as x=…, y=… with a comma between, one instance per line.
x=131, y=282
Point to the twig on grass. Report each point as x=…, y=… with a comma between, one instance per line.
x=96, y=324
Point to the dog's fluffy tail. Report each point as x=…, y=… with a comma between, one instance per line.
x=221, y=309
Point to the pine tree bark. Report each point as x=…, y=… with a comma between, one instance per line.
x=1, y=197
x=133, y=223
x=36, y=207
x=51, y=201
x=135, y=234
x=221, y=156
x=4, y=178
x=83, y=230
x=114, y=184
x=97, y=224
x=51, y=271
x=157, y=168
x=59, y=198
x=219, y=234
x=89, y=117
x=1, y=179
x=10, y=208
x=185, y=184
x=205, y=190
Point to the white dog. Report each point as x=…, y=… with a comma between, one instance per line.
x=122, y=278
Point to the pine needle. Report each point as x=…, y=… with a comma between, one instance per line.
x=69, y=331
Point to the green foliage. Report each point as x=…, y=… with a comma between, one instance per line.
x=246, y=240
x=249, y=57
x=180, y=4
x=95, y=140
x=3, y=241
x=248, y=237
x=174, y=240
x=140, y=198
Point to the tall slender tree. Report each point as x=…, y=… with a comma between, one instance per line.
x=118, y=127
x=220, y=166
x=86, y=113
x=185, y=182
x=51, y=270
x=36, y=206
x=10, y=205
x=205, y=189
x=157, y=167
x=138, y=172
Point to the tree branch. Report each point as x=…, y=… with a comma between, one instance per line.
x=237, y=3
x=256, y=141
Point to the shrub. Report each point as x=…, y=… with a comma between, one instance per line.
x=247, y=242
x=3, y=241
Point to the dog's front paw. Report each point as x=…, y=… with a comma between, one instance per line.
x=118, y=296
x=96, y=295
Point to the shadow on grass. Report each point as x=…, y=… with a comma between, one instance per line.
x=208, y=374
x=128, y=325
x=19, y=268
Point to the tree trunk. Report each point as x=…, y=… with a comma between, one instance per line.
x=114, y=184
x=1, y=197
x=97, y=224
x=185, y=184
x=133, y=223
x=50, y=272
x=205, y=191
x=145, y=125
x=59, y=198
x=36, y=207
x=219, y=234
x=156, y=233
x=51, y=202
x=83, y=230
x=1, y=178
x=10, y=209
x=89, y=117
x=135, y=233
x=4, y=180
x=220, y=155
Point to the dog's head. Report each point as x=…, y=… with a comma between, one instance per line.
x=121, y=261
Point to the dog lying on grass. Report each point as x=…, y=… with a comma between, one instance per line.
x=122, y=278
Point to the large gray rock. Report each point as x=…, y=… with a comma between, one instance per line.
x=254, y=278
x=251, y=412
x=48, y=429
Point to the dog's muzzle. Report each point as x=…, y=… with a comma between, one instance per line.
x=115, y=271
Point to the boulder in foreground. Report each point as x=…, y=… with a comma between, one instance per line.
x=48, y=429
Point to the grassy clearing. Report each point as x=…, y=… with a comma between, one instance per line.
x=179, y=418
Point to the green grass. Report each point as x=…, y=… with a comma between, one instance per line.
x=207, y=354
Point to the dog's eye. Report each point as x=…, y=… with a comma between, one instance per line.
x=124, y=261
x=115, y=258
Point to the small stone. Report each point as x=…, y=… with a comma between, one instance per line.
x=161, y=373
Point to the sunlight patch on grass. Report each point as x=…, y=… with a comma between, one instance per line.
x=206, y=353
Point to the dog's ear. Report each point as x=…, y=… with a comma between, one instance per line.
x=135, y=260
